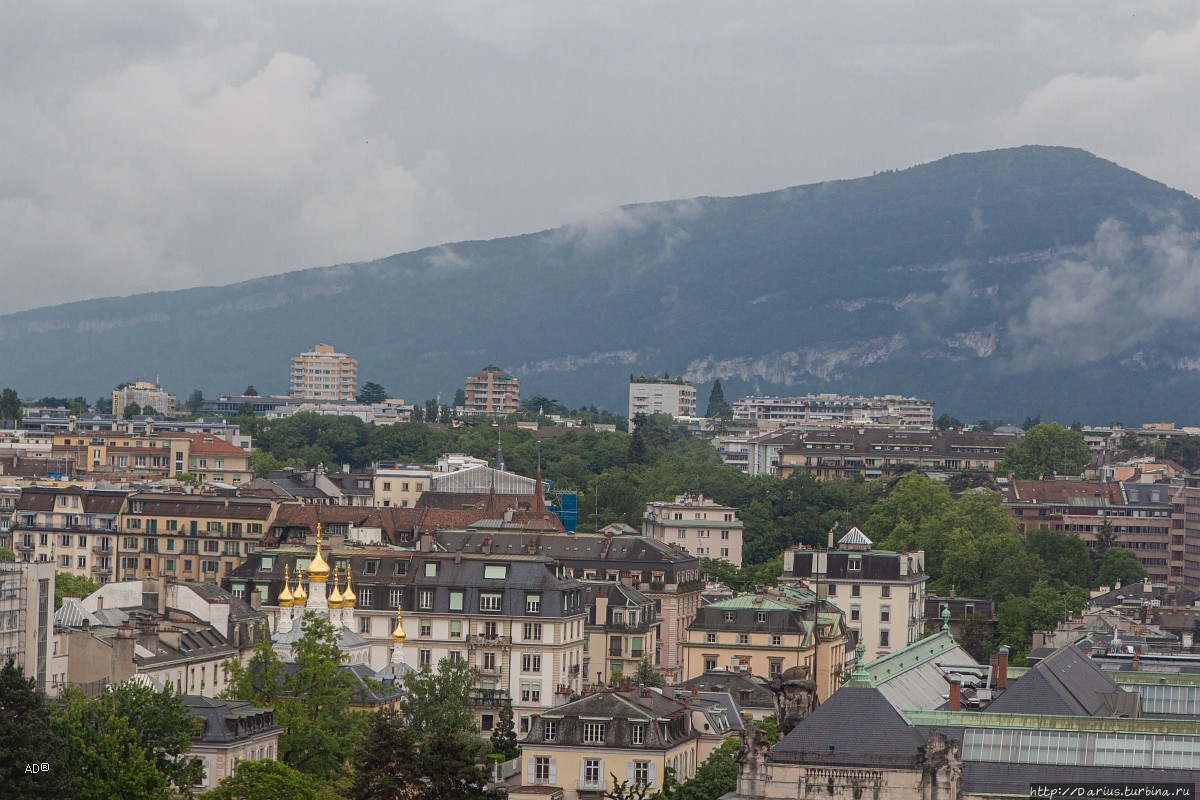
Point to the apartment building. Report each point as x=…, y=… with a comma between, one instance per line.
x=884, y=452
x=698, y=524
x=622, y=630
x=667, y=575
x=189, y=537
x=881, y=592
x=636, y=735
x=230, y=731
x=73, y=528
x=399, y=485
x=518, y=618
x=27, y=616
x=673, y=396
x=767, y=633
x=208, y=457
x=151, y=398
x=491, y=390
x=322, y=373
x=1185, y=529
x=833, y=409
x=1146, y=517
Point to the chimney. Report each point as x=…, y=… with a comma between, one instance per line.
x=1137, y=657
x=830, y=547
x=1002, y=668
x=955, y=703
x=695, y=692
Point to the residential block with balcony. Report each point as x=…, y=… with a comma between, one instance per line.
x=698, y=524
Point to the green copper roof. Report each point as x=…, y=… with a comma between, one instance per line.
x=915, y=654
x=1047, y=722
x=759, y=602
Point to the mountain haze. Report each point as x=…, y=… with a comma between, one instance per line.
x=1035, y=280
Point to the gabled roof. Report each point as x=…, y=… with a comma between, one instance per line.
x=1065, y=683
x=856, y=726
x=914, y=677
x=855, y=537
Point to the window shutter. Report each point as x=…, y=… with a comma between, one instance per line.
x=529, y=771
x=554, y=770
x=653, y=774
x=629, y=771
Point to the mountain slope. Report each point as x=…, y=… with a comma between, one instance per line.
x=1024, y=281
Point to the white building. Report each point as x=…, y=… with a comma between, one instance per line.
x=673, y=396
x=832, y=409
x=152, y=398
x=27, y=616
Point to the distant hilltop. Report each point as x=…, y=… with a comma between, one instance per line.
x=1028, y=281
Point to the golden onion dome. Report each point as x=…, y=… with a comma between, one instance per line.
x=398, y=633
x=299, y=595
x=348, y=596
x=318, y=570
x=285, y=597
x=335, y=597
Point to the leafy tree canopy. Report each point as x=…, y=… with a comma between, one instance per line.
x=1045, y=450
x=1120, y=564
x=69, y=583
x=371, y=393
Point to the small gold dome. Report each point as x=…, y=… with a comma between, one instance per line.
x=348, y=596
x=335, y=597
x=285, y=597
x=299, y=595
x=398, y=633
x=318, y=570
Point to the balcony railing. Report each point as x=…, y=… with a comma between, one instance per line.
x=489, y=671
x=25, y=547
x=485, y=640
x=615, y=652
x=635, y=653
x=585, y=785
x=102, y=549
x=101, y=570
x=490, y=698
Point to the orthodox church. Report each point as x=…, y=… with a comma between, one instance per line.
x=338, y=608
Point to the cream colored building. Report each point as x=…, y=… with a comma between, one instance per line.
x=324, y=374
x=768, y=633
x=698, y=524
x=634, y=735
x=491, y=390
x=399, y=485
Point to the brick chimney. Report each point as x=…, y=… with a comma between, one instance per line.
x=955, y=703
x=1002, y=668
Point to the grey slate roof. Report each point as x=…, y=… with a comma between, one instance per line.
x=229, y=720
x=1065, y=683
x=856, y=726
x=734, y=684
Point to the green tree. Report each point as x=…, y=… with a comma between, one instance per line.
x=104, y=751
x=436, y=708
x=1106, y=537
x=647, y=675
x=131, y=742
x=718, y=407
x=1046, y=449
x=1066, y=556
x=637, y=441
x=103, y=405
x=10, y=405
x=386, y=763
x=7, y=554
x=715, y=777
x=946, y=422
x=69, y=583
x=250, y=391
x=266, y=780
x=504, y=734
x=371, y=393
x=460, y=398
x=246, y=409
x=259, y=681
x=314, y=703
x=431, y=410
x=977, y=635
x=131, y=410
x=26, y=737
x=263, y=463
x=1120, y=564
x=195, y=401
x=896, y=517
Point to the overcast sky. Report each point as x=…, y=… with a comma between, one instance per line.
x=159, y=145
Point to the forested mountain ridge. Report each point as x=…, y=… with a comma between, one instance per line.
x=1030, y=281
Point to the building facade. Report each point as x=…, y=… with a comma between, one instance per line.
x=491, y=390
x=622, y=630
x=767, y=633
x=150, y=397
x=881, y=592
x=675, y=397
x=27, y=617
x=850, y=452
x=832, y=409
x=698, y=524
x=323, y=374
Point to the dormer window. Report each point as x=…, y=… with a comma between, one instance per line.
x=855, y=564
